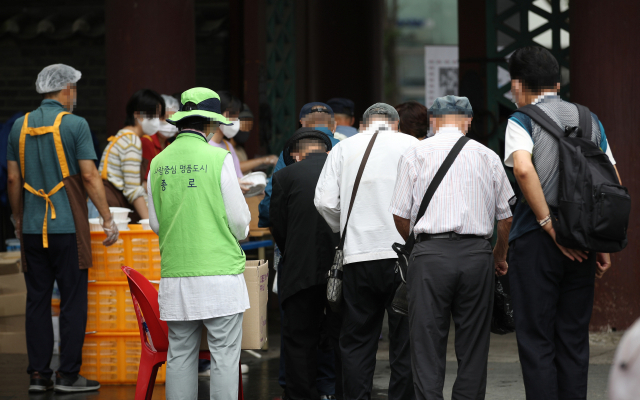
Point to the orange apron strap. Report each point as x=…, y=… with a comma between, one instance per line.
x=48, y=202
x=23, y=136
x=57, y=140
x=62, y=159
x=113, y=140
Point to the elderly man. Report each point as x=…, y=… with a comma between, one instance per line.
x=307, y=244
x=451, y=266
x=200, y=217
x=319, y=116
x=369, y=281
x=50, y=155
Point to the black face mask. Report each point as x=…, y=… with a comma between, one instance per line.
x=241, y=137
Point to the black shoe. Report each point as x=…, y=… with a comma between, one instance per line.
x=74, y=384
x=327, y=397
x=38, y=383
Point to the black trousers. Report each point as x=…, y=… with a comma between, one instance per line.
x=450, y=278
x=306, y=318
x=368, y=289
x=58, y=263
x=552, y=303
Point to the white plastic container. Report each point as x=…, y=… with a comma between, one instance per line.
x=145, y=224
x=95, y=225
x=123, y=225
x=120, y=214
x=257, y=181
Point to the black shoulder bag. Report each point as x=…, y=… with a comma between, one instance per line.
x=334, y=281
x=400, y=303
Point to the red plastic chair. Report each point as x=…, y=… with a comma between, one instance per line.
x=145, y=302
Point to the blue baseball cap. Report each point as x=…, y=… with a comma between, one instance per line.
x=341, y=105
x=315, y=107
x=451, y=105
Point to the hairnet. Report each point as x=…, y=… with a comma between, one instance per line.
x=171, y=103
x=56, y=77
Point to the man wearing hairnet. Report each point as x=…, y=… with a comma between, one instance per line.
x=154, y=144
x=51, y=168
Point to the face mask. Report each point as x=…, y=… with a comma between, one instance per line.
x=167, y=130
x=232, y=130
x=150, y=125
x=242, y=137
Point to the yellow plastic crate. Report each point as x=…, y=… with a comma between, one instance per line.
x=114, y=358
x=110, y=308
x=135, y=248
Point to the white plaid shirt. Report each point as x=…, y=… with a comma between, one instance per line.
x=474, y=192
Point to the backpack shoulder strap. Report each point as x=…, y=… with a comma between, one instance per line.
x=585, y=121
x=437, y=179
x=542, y=119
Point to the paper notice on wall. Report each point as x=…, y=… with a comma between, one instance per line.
x=441, y=72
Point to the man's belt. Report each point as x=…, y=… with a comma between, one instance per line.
x=447, y=235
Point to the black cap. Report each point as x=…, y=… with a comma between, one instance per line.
x=303, y=133
x=341, y=105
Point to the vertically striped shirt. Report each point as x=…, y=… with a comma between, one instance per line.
x=125, y=159
x=473, y=193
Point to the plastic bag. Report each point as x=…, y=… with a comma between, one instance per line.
x=502, y=321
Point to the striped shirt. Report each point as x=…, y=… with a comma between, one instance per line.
x=123, y=171
x=474, y=192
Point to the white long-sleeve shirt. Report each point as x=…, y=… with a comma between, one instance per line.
x=371, y=230
x=203, y=297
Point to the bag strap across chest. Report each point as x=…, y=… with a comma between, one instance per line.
x=363, y=163
x=435, y=182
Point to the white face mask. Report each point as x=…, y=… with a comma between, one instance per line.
x=232, y=130
x=150, y=125
x=167, y=130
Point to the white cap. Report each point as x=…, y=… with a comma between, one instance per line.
x=170, y=103
x=624, y=379
x=56, y=77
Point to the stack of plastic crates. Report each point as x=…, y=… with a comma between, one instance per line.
x=111, y=352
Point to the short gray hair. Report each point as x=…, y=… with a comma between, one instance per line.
x=381, y=109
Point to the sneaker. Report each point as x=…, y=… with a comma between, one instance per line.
x=244, y=368
x=327, y=397
x=38, y=383
x=74, y=384
x=204, y=368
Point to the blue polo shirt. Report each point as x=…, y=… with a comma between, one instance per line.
x=42, y=169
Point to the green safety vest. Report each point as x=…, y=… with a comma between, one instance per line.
x=195, y=239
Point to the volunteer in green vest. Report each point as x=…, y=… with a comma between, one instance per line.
x=198, y=210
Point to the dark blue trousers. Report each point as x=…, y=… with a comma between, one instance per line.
x=552, y=304
x=58, y=263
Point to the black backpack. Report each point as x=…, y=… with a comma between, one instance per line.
x=593, y=208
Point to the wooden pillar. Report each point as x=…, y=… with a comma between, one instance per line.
x=472, y=45
x=339, y=52
x=253, y=43
x=605, y=37
x=149, y=44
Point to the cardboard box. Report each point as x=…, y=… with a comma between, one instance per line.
x=254, y=322
x=13, y=283
x=10, y=263
x=13, y=304
x=13, y=343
